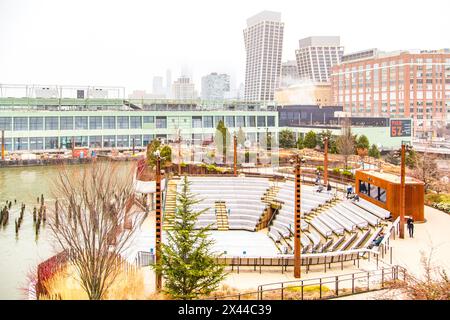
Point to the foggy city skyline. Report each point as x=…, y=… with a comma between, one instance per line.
x=127, y=43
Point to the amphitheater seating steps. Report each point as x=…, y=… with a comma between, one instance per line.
x=171, y=204
x=221, y=216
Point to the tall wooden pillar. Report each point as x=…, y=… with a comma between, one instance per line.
x=3, y=145
x=403, y=194
x=297, y=218
x=158, y=224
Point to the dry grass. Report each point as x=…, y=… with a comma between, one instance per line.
x=65, y=285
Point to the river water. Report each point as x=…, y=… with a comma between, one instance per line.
x=20, y=255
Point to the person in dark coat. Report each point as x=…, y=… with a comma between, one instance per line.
x=410, y=224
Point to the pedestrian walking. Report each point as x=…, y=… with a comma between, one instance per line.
x=410, y=224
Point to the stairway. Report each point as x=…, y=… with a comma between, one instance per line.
x=270, y=194
x=221, y=216
x=269, y=199
x=171, y=203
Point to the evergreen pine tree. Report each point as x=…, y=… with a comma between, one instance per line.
x=187, y=263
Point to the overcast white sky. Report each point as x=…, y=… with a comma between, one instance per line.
x=127, y=42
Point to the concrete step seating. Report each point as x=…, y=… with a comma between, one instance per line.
x=372, y=208
x=241, y=197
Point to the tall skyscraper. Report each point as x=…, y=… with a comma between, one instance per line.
x=214, y=86
x=263, y=39
x=402, y=84
x=158, y=88
x=316, y=56
x=289, y=73
x=184, y=89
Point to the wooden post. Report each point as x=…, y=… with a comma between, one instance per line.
x=133, y=146
x=235, y=155
x=325, y=162
x=297, y=217
x=3, y=145
x=403, y=194
x=158, y=219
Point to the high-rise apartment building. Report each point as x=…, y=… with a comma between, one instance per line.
x=183, y=89
x=289, y=73
x=404, y=84
x=214, y=86
x=316, y=56
x=263, y=39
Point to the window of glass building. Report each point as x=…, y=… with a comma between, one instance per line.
x=240, y=121
x=5, y=123
x=208, y=122
x=109, y=141
x=109, y=122
x=8, y=144
x=148, y=119
x=81, y=141
x=95, y=141
x=66, y=123
x=123, y=122
x=81, y=123
x=229, y=121
x=251, y=121
x=20, y=123
x=137, y=140
x=135, y=122
x=36, y=143
x=51, y=123
x=271, y=121
x=95, y=123
x=51, y=142
x=65, y=142
x=218, y=119
x=122, y=141
x=36, y=123
x=20, y=144
x=161, y=122
x=196, y=122
x=261, y=121
x=148, y=138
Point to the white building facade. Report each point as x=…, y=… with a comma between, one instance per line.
x=184, y=89
x=316, y=56
x=263, y=39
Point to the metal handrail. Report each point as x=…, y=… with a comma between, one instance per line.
x=393, y=271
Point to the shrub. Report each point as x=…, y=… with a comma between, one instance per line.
x=320, y=168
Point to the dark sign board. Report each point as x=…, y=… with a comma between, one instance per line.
x=80, y=94
x=400, y=127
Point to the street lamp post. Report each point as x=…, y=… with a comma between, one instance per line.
x=405, y=147
x=158, y=214
x=297, y=161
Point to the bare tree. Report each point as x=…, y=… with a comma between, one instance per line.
x=425, y=169
x=433, y=285
x=92, y=221
x=345, y=143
